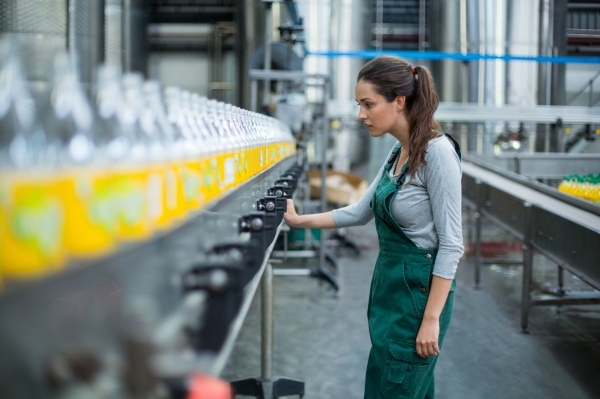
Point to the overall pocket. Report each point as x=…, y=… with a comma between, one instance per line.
x=417, y=275
x=405, y=371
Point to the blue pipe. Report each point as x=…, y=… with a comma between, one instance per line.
x=441, y=55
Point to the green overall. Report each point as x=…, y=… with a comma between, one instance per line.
x=399, y=292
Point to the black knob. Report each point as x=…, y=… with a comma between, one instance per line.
x=257, y=224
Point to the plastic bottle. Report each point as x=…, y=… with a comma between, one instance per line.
x=85, y=175
x=164, y=162
x=140, y=198
x=31, y=210
x=190, y=171
x=212, y=172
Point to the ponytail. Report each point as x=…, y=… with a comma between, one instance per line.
x=420, y=108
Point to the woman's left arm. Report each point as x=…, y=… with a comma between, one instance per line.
x=442, y=178
x=429, y=333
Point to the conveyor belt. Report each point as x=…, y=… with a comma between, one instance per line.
x=90, y=312
x=527, y=194
x=564, y=229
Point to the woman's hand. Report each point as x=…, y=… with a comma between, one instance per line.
x=312, y=221
x=427, y=338
x=290, y=216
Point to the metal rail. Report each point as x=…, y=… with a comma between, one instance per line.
x=589, y=84
x=467, y=112
x=535, y=185
x=567, y=234
x=543, y=165
x=463, y=112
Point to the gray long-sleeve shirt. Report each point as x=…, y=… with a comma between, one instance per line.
x=428, y=209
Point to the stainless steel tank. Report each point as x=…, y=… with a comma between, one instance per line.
x=350, y=30
x=42, y=28
x=339, y=25
x=113, y=32
x=497, y=27
x=86, y=36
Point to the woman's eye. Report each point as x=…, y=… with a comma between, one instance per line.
x=368, y=105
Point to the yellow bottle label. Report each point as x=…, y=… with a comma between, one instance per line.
x=255, y=161
x=164, y=204
x=241, y=173
x=132, y=187
x=229, y=167
x=261, y=159
x=190, y=185
x=227, y=170
x=210, y=177
x=267, y=156
x=4, y=195
x=91, y=217
x=32, y=225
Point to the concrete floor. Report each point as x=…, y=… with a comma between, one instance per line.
x=323, y=339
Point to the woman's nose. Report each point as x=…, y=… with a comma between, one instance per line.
x=361, y=115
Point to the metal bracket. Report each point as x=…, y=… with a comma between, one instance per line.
x=221, y=279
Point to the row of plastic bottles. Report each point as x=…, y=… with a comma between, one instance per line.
x=586, y=187
x=87, y=176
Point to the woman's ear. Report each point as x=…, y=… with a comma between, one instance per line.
x=400, y=102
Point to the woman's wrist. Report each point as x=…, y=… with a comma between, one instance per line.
x=431, y=318
x=297, y=221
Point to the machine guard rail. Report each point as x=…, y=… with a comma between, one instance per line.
x=566, y=231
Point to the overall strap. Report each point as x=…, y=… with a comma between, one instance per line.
x=394, y=154
x=456, y=146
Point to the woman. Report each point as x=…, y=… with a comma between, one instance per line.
x=416, y=202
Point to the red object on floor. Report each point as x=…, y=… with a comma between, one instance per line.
x=497, y=249
x=204, y=386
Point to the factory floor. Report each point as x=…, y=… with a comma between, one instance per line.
x=322, y=337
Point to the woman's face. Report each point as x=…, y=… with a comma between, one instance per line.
x=376, y=113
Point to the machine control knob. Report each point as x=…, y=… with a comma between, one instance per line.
x=257, y=224
x=270, y=206
x=279, y=193
x=218, y=280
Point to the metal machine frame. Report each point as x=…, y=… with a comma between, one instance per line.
x=549, y=224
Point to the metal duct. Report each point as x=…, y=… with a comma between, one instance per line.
x=125, y=37
x=135, y=42
x=86, y=33
x=93, y=30
x=113, y=32
x=42, y=28
x=350, y=30
x=494, y=27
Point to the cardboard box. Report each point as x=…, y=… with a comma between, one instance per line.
x=342, y=188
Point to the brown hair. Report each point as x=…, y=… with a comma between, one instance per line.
x=393, y=77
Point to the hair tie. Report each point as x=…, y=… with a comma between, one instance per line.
x=413, y=70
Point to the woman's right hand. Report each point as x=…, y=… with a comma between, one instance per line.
x=290, y=216
x=308, y=221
